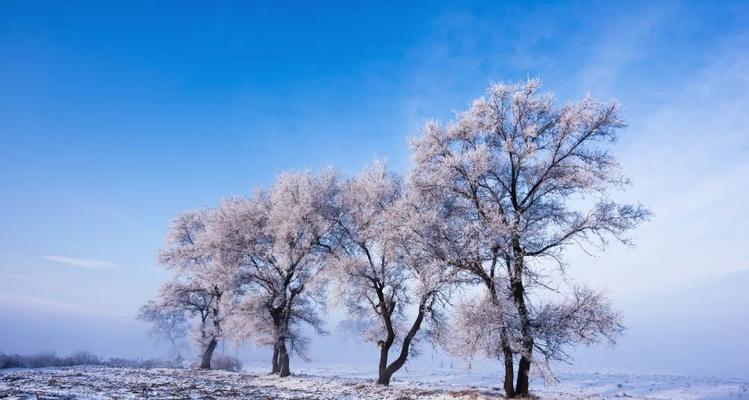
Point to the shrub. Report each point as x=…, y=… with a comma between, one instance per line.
x=42, y=360
x=226, y=363
x=82, y=358
x=141, y=363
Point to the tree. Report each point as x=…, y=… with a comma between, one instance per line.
x=278, y=240
x=583, y=316
x=201, y=284
x=378, y=274
x=167, y=322
x=514, y=181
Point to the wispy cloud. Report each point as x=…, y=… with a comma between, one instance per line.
x=32, y=306
x=686, y=154
x=81, y=262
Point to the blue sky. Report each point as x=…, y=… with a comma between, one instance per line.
x=115, y=117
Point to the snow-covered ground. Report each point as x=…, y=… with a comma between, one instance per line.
x=340, y=382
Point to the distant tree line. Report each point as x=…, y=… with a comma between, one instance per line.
x=45, y=360
x=467, y=250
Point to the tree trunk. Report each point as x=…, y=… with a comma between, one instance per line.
x=208, y=354
x=509, y=368
x=279, y=348
x=283, y=359
x=385, y=371
x=521, y=389
x=405, y=347
x=382, y=377
x=504, y=344
x=518, y=294
x=386, y=308
x=276, y=368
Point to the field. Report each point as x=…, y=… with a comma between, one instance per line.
x=326, y=383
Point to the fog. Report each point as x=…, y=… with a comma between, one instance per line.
x=698, y=331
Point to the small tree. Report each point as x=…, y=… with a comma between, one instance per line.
x=168, y=323
x=201, y=285
x=378, y=274
x=512, y=182
x=278, y=240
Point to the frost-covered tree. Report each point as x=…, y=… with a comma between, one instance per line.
x=378, y=273
x=201, y=285
x=506, y=187
x=581, y=316
x=278, y=239
x=168, y=323
x=584, y=316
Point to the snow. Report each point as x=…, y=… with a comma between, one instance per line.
x=345, y=382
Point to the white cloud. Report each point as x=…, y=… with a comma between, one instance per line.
x=686, y=156
x=80, y=262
